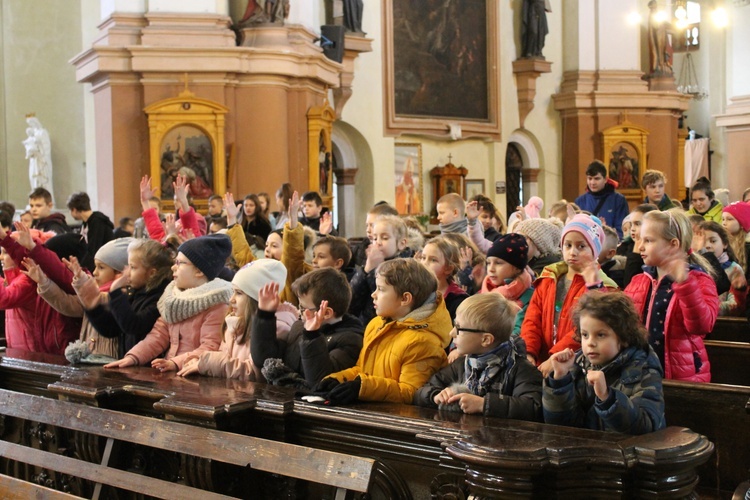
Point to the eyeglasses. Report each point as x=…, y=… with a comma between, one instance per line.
x=179, y=263
x=302, y=309
x=470, y=330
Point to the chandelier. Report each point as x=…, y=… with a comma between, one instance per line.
x=687, y=83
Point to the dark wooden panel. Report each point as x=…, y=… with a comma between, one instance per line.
x=730, y=329
x=730, y=362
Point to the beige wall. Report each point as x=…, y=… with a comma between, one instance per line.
x=38, y=38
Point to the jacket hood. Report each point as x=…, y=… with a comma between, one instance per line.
x=101, y=219
x=431, y=316
x=560, y=268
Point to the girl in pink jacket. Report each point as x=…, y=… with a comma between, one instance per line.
x=675, y=297
x=192, y=307
x=255, y=286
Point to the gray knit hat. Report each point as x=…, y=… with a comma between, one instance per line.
x=114, y=253
x=208, y=253
x=544, y=233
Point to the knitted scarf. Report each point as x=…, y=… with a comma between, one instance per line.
x=177, y=305
x=460, y=226
x=481, y=370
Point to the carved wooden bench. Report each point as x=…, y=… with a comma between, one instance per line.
x=721, y=413
x=342, y=471
x=730, y=329
x=730, y=362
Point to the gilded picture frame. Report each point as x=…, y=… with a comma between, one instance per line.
x=441, y=68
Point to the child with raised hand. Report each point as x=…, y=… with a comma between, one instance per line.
x=674, y=296
x=241, y=250
x=716, y=242
x=494, y=378
x=441, y=256
x=509, y=275
x=129, y=309
x=255, y=288
x=547, y=327
x=186, y=227
x=325, y=340
x=614, y=382
x=110, y=260
x=403, y=346
x=471, y=269
x=192, y=307
x=389, y=242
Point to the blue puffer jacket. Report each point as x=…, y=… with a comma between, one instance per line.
x=635, y=404
x=614, y=209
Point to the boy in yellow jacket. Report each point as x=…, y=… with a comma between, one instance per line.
x=403, y=345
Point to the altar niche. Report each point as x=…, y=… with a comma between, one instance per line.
x=186, y=136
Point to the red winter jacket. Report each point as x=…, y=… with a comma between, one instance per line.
x=18, y=299
x=538, y=329
x=691, y=314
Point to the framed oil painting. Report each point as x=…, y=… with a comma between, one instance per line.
x=441, y=67
x=623, y=165
x=408, y=179
x=474, y=187
x=187, y=150
x=625, y=151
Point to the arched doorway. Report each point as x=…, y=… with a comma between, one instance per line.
x=513, y=178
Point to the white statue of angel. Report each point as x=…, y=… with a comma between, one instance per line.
x=39, y=154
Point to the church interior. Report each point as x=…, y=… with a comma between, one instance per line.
x=401, y=101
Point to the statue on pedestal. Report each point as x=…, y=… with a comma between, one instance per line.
x=353, y=15
x=659, y=46
x=534, y=28
x=39, y=154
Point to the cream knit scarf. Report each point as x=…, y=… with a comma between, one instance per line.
x=177, y=305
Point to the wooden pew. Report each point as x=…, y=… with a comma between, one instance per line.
x=722, y=413
x=344, y=472
x=731, y=330
x=417, y=452
x=730, y=362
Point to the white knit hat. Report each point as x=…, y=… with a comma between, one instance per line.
x=114, y=253
x=253, y=276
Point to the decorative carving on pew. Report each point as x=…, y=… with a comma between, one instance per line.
x=448, y=487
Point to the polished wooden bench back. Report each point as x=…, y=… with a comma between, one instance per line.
x=721, y=413
x=731, y=330
x=345, y=472
x=730, y=362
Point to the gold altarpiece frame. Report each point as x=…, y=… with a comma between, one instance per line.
x=624, y=151
x=320, y=151
x=186, y=136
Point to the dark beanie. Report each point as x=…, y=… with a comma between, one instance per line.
x=68, y=245
x=512, y=248
x=208, y=253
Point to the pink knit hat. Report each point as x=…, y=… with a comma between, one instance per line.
x=590, y=227
x=740, y=211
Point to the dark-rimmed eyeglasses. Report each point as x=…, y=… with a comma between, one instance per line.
x=470, y=330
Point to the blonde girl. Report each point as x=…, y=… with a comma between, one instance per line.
x=675, y=297
x=441, y=256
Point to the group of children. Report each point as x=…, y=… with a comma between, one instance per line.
x=521, y=325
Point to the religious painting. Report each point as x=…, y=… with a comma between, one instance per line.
x=625, y=151
x=440, y=61
x=474, y=187
x=408, y=178
x=186, y=150
x=623, y=165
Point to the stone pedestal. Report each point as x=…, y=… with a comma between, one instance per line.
x=527, y=71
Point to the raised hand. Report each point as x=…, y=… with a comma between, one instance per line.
x=73, y=266
x=121, y=281
x=375, y=257
x=294, y=205
x=314, y=319
x=147, y=192
x=472, y=210
x=676, y=266
x=561, y=363
x=33, y=271
x=590, y=270
x=170, y=224
x=596, y=378
x=231, y=208
x=326, y=223
x=24, y=236
x=88, y=293
x=465, y=255
x=737, y=277
x=268, y=297
x=181, y=191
